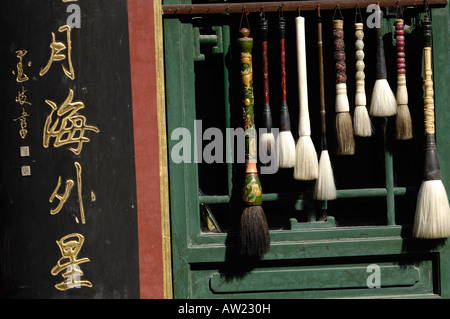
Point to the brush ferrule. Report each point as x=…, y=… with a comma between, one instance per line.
x=285, y=121
x=324, y=142
x=432, y=169
x=381, y=72
x=266, y=119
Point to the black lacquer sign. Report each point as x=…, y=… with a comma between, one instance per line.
x=68, y=214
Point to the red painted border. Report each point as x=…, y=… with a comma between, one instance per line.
x=146, y=141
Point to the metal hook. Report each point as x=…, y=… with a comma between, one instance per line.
x=280, y=11
x=261, y=14
x=358, y=12
x=340, y=13
x=398, y=8
x=427, y=8
x=244, y=11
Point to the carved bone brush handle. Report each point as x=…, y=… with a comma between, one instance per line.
x=431, y=169
x=360, y=96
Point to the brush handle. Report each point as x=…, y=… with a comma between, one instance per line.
x=304, y=123
x=282, y=30
x=402, y=94
x=360, y=95
x=431, y=169
x=341, y=103
x=321, y=76
x=381, y=72
x=285, y=121
x=428, y=81
x=252, y=194
x=321, y=83
x=266, y=120
x=400, y=44
x=339, y=51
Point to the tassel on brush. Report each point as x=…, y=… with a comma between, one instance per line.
x=286, y=143
x=254, y=231
x=403, y=119
x=383, y=102
x=325, y=188
x=432, y=218
x=344, y=125
x=306, y=165
x=361, y=119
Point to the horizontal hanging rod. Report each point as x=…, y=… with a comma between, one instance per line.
x=175, y=9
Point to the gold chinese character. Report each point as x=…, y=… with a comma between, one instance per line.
x=56, y=54
x=70, y=246
x=23, y=123
x=21, y=97
x=63, y=198
x=71, y=127
x=21, y=76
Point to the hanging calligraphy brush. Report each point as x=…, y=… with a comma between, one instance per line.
x=254, y=231
x=286, y=143
x=432, y=218
x=267, y=142
x=344, y=125
x=325, y=188
x=403, y=118
x=361, y=119
x=383, y=102
x=306, y=164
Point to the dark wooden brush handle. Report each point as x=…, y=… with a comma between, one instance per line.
x=381, y=72
x=266, y=120
x=282, y=30
x=321, y=82
x=339, y=51
x=285, y=121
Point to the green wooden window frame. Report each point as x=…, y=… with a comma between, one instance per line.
x=196, y=253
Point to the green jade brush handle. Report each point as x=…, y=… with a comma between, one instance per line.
x=252, y=192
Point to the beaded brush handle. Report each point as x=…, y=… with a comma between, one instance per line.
x=402, y=95
x=342, y=104
x=360, y=95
